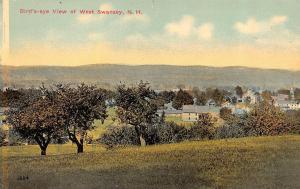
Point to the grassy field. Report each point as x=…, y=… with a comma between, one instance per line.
x=262, y=162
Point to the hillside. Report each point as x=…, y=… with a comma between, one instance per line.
x=160, y=76
x=258, y=162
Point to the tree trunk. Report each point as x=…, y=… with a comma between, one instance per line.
x=80, y=148
x=43, y=152
x=142, y=141
x=80, y=145
x=141, y=138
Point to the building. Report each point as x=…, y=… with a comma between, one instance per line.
x=191, y=113
x=172, y=113
x=287, y=105
x=251, y=97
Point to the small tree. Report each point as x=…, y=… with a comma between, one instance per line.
x=136, y=106
x=203, y=128
x=201, y=98
x=218, y=97
x=39, y=120
x=266, y=119
x=81, y=105
x=182, y=98
x=239, y=91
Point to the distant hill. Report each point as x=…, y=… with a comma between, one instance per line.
x=160, y=76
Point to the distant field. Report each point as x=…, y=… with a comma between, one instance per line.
x=262, y=162
x=99, y=127
x=178, y=120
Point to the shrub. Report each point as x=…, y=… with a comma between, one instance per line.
x=2, y=137
x=230, y=131
x=232, y=128
x=203, y=128
x=225, y=113
x=122, y=135
x=170, y=132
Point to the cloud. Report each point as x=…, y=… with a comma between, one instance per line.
x=182, y=28
x=205, y=31
x=186, y=27
x=85, y=18
x=276, y=20
x=252, y=26
x=106, y=6
x=94, y=36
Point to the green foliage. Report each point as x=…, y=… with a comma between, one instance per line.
x=239, y=91
x=203, y=128
x=225, y=113
x=234, y=127
x=137, y=106
x=170, y=132
x=2, y=137
x=218, y=97
x=182, y=98
x=39, y=119
x=122, y=135
x=9, y=96
x=81, y=107
x=201, y=98
x=293, y=118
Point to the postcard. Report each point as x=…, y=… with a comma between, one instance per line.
x=149, y=94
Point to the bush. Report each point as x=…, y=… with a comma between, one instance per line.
x=230, y=131
x=122, y=135
x=232, y=128
x=266, y=119
x=170, y=132
x=204, y=128
x=2, y=137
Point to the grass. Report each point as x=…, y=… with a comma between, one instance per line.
x=100, y=127
x=178, y=120
x=262, y=162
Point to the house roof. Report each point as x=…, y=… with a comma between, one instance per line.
x=200, y=109
x=170, y=111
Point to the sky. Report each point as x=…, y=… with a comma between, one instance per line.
x=253, y=33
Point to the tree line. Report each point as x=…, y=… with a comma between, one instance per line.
x=64, y=111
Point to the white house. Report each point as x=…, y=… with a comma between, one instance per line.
x=287, y=105
x=191, y=113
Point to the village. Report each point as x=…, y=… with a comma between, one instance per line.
x=238, y=104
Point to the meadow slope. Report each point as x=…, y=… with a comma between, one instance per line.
x=262, y=162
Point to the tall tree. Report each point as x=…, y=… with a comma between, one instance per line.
x=182, y=98
x=239, y=91
x=40, y=120
x=201, y=98
x=218, y=97
x=137, y=106
x=82, y=106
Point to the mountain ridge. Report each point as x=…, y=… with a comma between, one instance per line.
x=160, y=76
